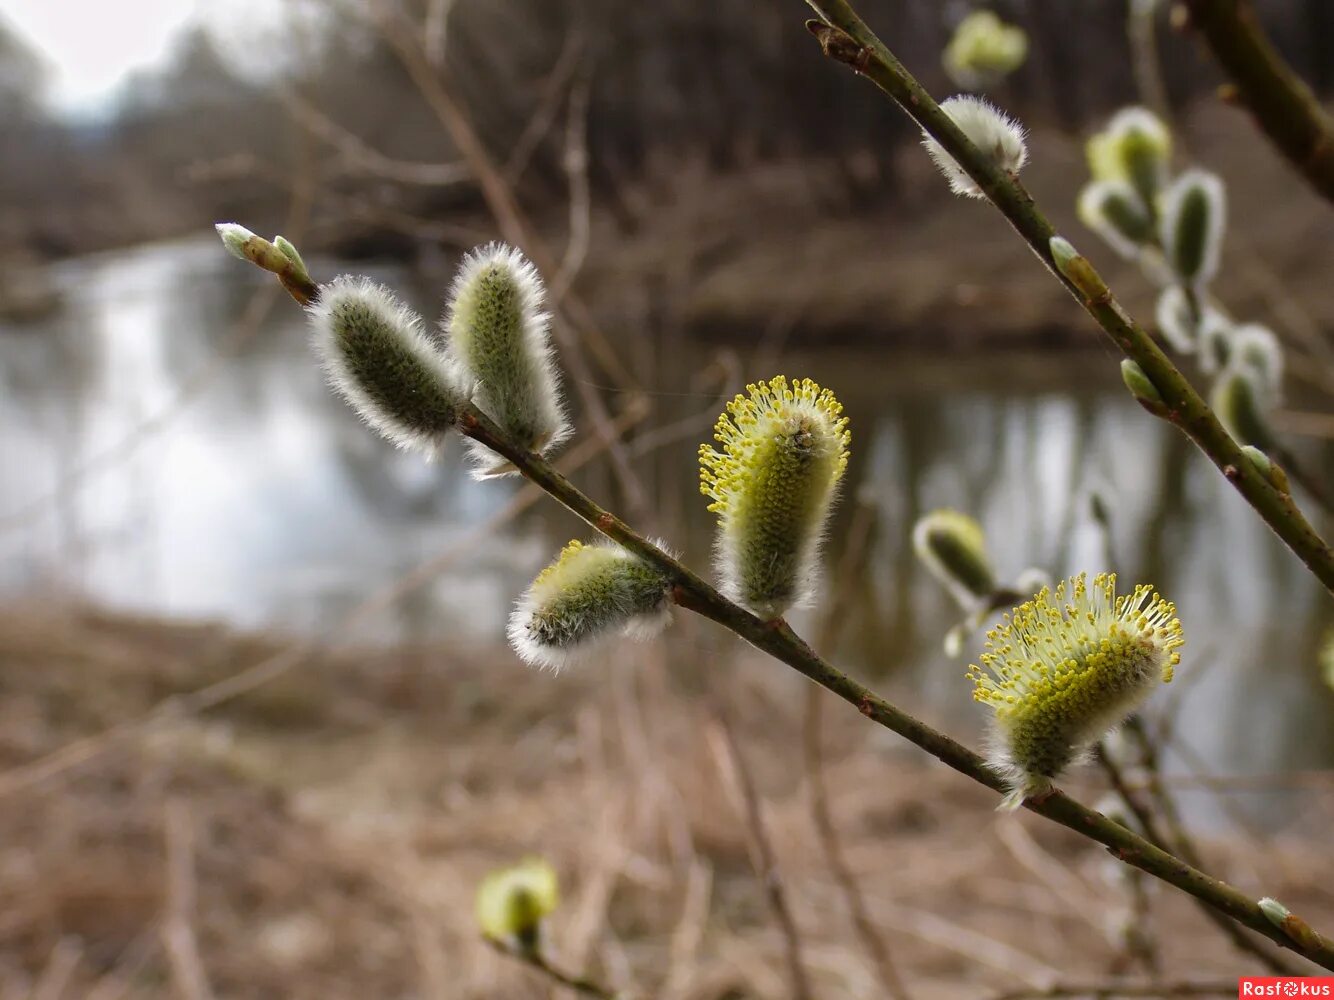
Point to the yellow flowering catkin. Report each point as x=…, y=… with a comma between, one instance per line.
x=784, y=450
x=512, y=902
x=588, y=594
x=1064, y=668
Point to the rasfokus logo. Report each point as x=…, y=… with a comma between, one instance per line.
x=1285, y=986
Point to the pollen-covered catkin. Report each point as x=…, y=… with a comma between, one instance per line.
x=1064, y=668
x=995, y=133
x=590, y=593
x=378, y=357
x=497, y=337
x=785, y=447
x=512, y=902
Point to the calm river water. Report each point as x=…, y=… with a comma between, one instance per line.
x=156, y=460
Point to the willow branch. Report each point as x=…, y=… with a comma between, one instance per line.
x=846, y=39
x=1184, y=847
x=578, y=984
x=692, y=592
x=1280, y=102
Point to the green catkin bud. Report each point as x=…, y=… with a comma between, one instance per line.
x=1216, y=335
x=1272, y=472
x=1115, y=212
x=512, y=902
x=954, y=548
x=785, y=448
x=377, y=356
x=1239, y=404
x=984, y=50
x=498, y=340
x=992, y=131
x=1193, y=219
x=589, y=594
x=1064, y=668
x=1257, y=349
x=1176, y=319
x=1135, y=149
x=1142, y=388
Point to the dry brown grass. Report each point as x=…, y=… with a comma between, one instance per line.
x=338, y=820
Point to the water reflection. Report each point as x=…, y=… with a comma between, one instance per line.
x=263, y=501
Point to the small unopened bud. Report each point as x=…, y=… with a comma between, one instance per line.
x=785, y=448
x=994, y=133
x=1142, y=388
x=1067, y=666
x=497, y=336
x=242, y=244
x=1135, y=149
x=1114, y=211
x=512, y=903
x=1275, y=912
x=1240, y=406
x=285, y=247
x=589, y=594
x=378, y=358
x=984, y=50
x=1193, y=221
x=1268, y=468
x=954, y=548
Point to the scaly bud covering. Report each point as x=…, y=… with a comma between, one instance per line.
x=1115, y=212
x=1193, y=218
x=1142, y=387
x=784, y=451
x=954, y=548
x=512, y=902
x=1135, y=149
x=1255, y=347
x=1239, y=404
x=1064, y=668
x=1176, y=319
x=497, y=337
x=378, y=358
x=590, y=593
x=992, y=131
x=1276, y=475
x=984, y=50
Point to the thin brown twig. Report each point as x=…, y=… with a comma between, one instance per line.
x=733, y=765
x=581, y=985
x=1282, y=105
x=178, y=931
x=1185, y=849
x=514, y=227
x=856, y=553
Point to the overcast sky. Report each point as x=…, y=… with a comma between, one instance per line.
x=92, y=45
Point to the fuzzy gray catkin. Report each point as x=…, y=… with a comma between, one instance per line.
x=378, y=357
x=497, y=337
